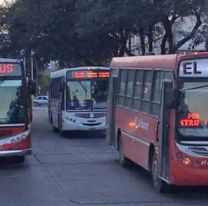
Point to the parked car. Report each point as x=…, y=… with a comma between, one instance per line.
x=40, y=100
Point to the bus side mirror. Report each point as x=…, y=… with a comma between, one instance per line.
x=170, y=95
x=32, y=87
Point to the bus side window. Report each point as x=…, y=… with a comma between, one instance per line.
x=129, y=89
x=122, y=87
x=146, y=93
x=168, y=75
x=156, y=93
x=137, y=89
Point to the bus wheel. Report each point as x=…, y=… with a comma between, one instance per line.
x=64, y=133
x=159, y=185
x=55, y=130
x=124, y=161
x=19, y=159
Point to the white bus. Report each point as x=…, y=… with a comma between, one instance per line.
x=78, y=98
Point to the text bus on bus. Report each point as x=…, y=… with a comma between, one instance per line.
x=15, y=110
x=165, y=130
x=78, y=98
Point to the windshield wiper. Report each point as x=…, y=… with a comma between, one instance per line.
x=199, y=87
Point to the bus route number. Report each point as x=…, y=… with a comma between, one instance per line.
x=193, y=68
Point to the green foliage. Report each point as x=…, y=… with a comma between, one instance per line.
x=90, y=32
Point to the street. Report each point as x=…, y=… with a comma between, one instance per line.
x=81, y=170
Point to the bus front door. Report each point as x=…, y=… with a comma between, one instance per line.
x=110, y=119
x=167, y=97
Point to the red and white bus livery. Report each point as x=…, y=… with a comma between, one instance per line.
x=165, y=130
x=15, y=110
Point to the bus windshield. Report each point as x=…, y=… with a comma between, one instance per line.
x=86, y=94
x=192, y=113
x=11, y=105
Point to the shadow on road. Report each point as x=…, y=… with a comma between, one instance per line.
x=84, y=134
x=181, y=193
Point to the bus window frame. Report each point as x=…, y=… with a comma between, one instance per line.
x=151, y=102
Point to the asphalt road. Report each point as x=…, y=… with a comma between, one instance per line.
x=81, y=170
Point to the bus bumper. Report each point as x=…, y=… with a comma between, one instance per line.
x=81, y=126
x=9, y=153
x=187, y=168
x=188, y=175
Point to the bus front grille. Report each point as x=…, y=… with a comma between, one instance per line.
x=91, y=124
x=89, y=115
x=199, y=150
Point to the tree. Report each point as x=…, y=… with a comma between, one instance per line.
x=170, y=11
x=90, y=32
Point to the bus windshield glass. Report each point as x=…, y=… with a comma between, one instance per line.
x=99, y=93
x=86, y=94
x=192, y=112
x=11, y=109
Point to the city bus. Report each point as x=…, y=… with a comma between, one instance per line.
x=78, y=99
x=165, y=130
x=15, y=110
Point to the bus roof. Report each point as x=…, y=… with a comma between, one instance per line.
x=62, y=72
x=155, y=61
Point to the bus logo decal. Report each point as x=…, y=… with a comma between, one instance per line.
x=139, y=123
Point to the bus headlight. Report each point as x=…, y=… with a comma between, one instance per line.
x=187, y=161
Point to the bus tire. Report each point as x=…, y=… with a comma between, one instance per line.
x=158, y=184
x=19, y=159
x=64, y=133
x=124, y=161
x=55, y=130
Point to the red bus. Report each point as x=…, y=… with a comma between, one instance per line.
x=158, y=117
x=15, y=110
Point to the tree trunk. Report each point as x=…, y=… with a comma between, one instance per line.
x=150, y=38
x=163, y=44
x=142, y=40
x=168, y=37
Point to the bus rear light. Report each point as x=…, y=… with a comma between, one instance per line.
x=187, y=161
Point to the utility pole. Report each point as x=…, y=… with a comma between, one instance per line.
x=32, y=64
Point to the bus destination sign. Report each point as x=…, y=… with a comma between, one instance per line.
x=89, y=74
x=194, y=68
x=9, y=69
